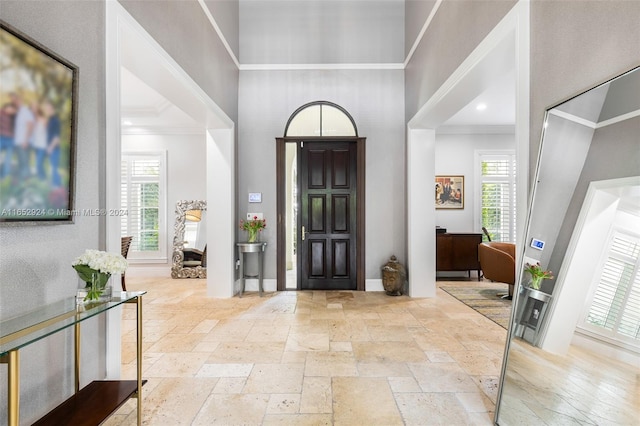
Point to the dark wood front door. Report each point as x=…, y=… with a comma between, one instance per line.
x=327, y=215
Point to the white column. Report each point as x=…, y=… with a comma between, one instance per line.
x=421, y=236
x=221, y=217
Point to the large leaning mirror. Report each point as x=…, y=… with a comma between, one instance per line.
x=573, y=354
x=189, y=240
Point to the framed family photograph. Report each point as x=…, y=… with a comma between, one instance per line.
x=38, y=110
x=449, y=192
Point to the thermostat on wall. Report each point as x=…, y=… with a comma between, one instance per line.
x=537, y=244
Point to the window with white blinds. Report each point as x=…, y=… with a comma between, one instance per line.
x=614, y=309
x=144, y=198
x=497, y=195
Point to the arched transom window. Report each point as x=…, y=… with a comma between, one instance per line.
x=321, y=118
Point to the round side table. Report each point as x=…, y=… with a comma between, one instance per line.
x=243, y=249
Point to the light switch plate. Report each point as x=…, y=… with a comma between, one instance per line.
x=250, y=216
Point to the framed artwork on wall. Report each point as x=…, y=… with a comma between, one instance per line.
x=449, y=192
x=38, y=110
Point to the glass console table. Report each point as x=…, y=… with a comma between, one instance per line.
x=96, y=401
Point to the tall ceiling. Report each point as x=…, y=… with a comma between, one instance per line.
x=143, y=108
x=321, y=31
x=313, y=32
x=496, y=106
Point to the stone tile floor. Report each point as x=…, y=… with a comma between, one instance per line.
x=310, y=358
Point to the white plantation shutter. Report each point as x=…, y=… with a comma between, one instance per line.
x=143, y=196
x=498, y=196
x=614, y=310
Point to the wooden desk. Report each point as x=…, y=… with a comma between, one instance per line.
x=458, y=252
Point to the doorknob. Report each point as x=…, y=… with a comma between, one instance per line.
x=303, y=233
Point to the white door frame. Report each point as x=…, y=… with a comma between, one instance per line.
x=121, y=28
x=510, y=38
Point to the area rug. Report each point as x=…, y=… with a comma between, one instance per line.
x=484, y=301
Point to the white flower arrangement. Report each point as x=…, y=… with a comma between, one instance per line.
x=101, y=261
x=95, y=267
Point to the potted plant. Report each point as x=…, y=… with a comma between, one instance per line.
x=537, y=275
x=253, y=227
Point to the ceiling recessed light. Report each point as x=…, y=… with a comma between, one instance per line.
x=481, y=107
x=127, y=122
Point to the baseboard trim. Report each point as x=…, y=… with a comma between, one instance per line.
x=373, y=285
x=148, y=271
x=251, y=284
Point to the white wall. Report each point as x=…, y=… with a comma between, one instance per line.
x=375, y=100
x=186, y=180
x=455, y=155
x=600, y=212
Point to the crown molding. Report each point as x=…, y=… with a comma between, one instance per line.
x=161, y=130
x=298, y=67
x=573, y=118
x=618, y=119
x=591, y=124
x=152, y=111
x=215, y=26
x=426, y=25
x=507, y=129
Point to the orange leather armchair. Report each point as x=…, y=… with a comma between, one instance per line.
x=498, y=262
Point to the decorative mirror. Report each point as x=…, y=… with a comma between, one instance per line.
x=573, y=348
x=189, y=240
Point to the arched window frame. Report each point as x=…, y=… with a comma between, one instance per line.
x=321, y=104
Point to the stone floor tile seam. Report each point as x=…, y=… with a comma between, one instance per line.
x=411, y=323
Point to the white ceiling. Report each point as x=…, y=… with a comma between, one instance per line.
x=629, y=198
x=500, y=102
x=144, y=108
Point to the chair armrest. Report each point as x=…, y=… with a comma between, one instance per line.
x=508, y=248
x=496, y=264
